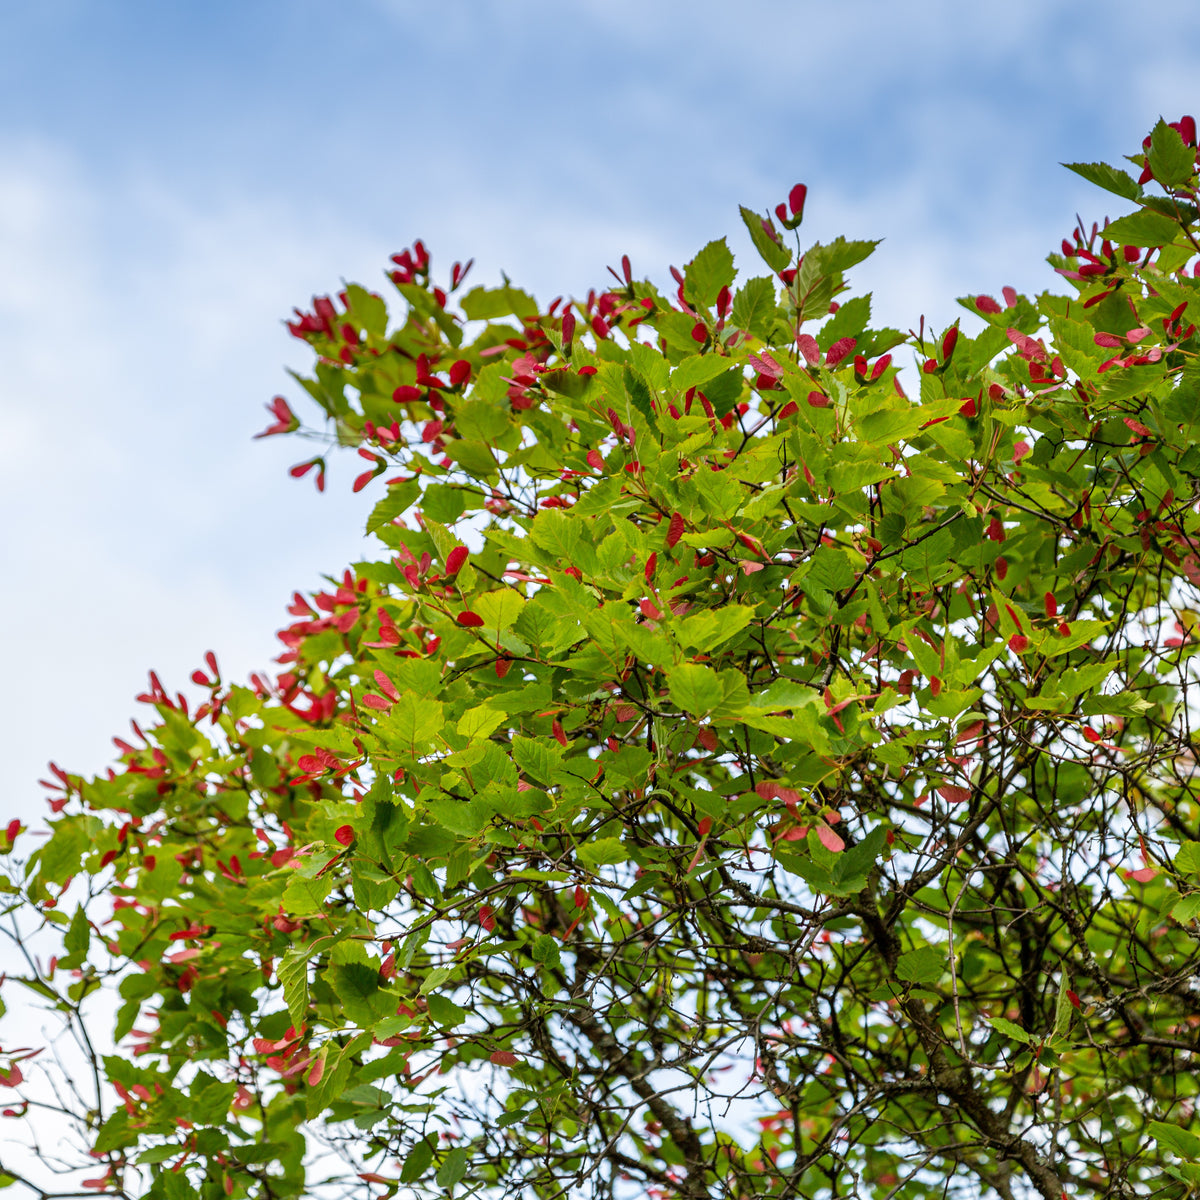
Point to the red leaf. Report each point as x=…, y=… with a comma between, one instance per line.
x=470, y=620
x=796, y=198
x=830, y=840
x=809, y=348
x=581, y=896
x=14, y=828
x=504, y=1058
x=818, y=399
x=1144, y=875
x=595, y=460
x=386, y=685
x=344, y=835
x=949, y=342
x=675, y=529
x=837, y=352
x=406, y=394
x=987, y=305
x=557, y=729
x=1051, y=605
x=503, y=666
x=378, y=703
x=790, y=409
x=649, y=610
x=651, y=565
x=968, y=408
x=705, y=825
x=487, y=917
x=455, y=560
x=1020, y=450
x=1001, y=568
x=318, y=1070
x=1018, y=643
x=953, y=794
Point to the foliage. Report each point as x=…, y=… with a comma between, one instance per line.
x=735, y=777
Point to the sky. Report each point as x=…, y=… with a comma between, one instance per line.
x=175, y=177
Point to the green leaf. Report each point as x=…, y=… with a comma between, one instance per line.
x=1178, y=1141
x=1064, y=1010
x=1172, y=160
x=499, y=609
x=418, y=1161
x=1187, y=858
x=1144, y=228
x=453, y=1168
x=840, y=255
x=712, y=627
x=486, y=304
x=357, y=986
x=537, y=757
x=924, y=965
x=445, y=1012
x=1011, y=1030
x=292, y=973
x=400, y=496
x=1109, y=178
x=754, y=306
x=856, y=862
x=303, y=896
x=694, y=688
x=602, y=852
x=707, y=273
x=77, y=939
x=480, y=721
x=697, y=371
x=546, y=950
x=775, y=255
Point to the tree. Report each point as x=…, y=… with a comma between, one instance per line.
x=736, y=777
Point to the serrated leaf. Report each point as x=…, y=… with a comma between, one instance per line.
x=707, y=273
x=1172, y=160
x=304, y=896
x=486, y=304
x=840, y=255
x=1187, y=858
x=292, y=972
x=499, y=609
x=924, y=965
x=1064, y=1010
x=1178, y=1141
x=1109, y=178
x=1011, y=1029
x=399, y=497
x=453, y=1168
x=697, y=371
x=695, y=688
x=602, y=852
x=776, y=256
x=1144, y=228
x=754, y=306
x=712, y=627
x=419, y=1159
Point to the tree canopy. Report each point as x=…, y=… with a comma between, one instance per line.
x=740, y=773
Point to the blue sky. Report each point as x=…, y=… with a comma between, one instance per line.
x=174, y=177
